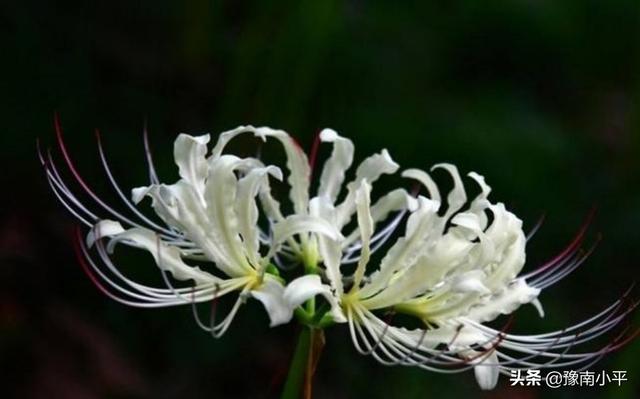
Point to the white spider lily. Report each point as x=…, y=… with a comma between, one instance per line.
x=322, y=209
x=456, y=267
x=210, y=216
x=454, y=270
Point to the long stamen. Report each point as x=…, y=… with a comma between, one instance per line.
x=79, y=178
x=124, y=198
x=556, y=274
x=57, y=184
x=153, y=176
x=535, y=228
x=568, y=251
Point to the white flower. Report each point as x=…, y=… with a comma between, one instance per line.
x=323, y=252
x=455, y=268
x=210, y=215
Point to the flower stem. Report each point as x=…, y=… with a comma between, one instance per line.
x=303, y=365
x=316, y=345
x=298, y=366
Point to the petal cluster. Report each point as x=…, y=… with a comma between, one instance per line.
x=450, y=263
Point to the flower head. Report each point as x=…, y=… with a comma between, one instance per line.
x=456, y=266
x=209, y=216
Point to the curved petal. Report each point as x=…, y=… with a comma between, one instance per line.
x=180, y=207
x=394, y=201
x=335, y=167
x=457, y=196
x=306, y=287
x=488, y=371
x=189, y=154
x=298, y=165
x=296, y=224
x=407, y=249
x=247, y=210
x=104, y=228
x=370, y=169
x=167, y=257
x=271, y=294
x=426, y=180
x=221, y=196
x=365, y=222
x=480, y=203
x=329, y=247
x=508, y=300
x=225, y=137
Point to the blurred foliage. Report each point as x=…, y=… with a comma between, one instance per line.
x=540, y=96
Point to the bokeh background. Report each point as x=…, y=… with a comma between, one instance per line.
x=540, y=96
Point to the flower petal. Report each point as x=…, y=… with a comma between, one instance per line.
x=329, y=248
x=405, y=251
x=225, y=137
x=505, y=302
x=247, y=209
x=426, y=180
x=221, y=196
x=487, y=372
x=365, y=223
x=298, y=165
x=396, y=200
x=306, y=287
x=104, y=228
x=270, y=293
x=181, y=207
x=480, y=203
x=469, y=282
x=457, y=196
x=334, y=168
x=296, y=224
x=167, y=257
x=370, y=169
x=189, y=153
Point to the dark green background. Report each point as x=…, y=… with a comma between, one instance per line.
x=539, y=96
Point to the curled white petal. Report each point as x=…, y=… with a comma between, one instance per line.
x=505, y=302
x=167, y=257
x=296, y=224
x=370, y=169
x=104, y=228
x=271, y=294
x=298, y=165
x=303, y=288
x=365, y=223
x=488, y=371
x=189, y=153
x=335, y=167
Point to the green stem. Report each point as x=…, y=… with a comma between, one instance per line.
x=298, y=366
x=310, y=262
